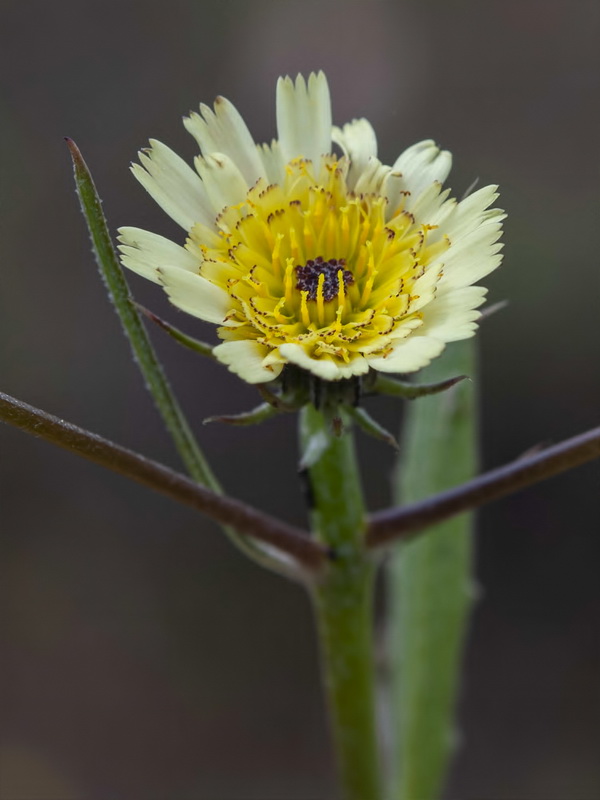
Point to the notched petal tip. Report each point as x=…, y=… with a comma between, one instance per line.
x=284, y=82
x=300, y=82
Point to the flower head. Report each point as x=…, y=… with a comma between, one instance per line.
x=337, y=264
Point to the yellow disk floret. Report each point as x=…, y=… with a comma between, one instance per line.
x=309, y=262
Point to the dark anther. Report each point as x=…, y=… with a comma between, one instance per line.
x=308, y=277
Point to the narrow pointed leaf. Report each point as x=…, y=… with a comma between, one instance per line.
x=275, y=400
x=411, y=391
x=144, y=354
x=187, y=341
x=371, y=427
x=429, y=583
x=257, y=415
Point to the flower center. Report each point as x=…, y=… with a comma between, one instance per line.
x=318, y=276
x=312, y=263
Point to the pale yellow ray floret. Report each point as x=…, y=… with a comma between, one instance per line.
x=337, y=264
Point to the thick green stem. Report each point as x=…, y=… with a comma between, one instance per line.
x=429, y=585
x=343, y=602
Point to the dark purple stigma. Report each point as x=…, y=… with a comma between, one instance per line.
x=308, y=277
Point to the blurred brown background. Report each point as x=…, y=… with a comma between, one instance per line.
x=143, y=658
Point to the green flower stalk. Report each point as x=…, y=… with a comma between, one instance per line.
x=343, y=602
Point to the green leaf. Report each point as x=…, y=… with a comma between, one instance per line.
x=143, y=352
x=371, y=427
x=257, y=415
x=187, y=341
x=429, y=583
x=411, y=391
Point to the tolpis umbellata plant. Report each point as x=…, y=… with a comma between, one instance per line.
x=331, y=276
